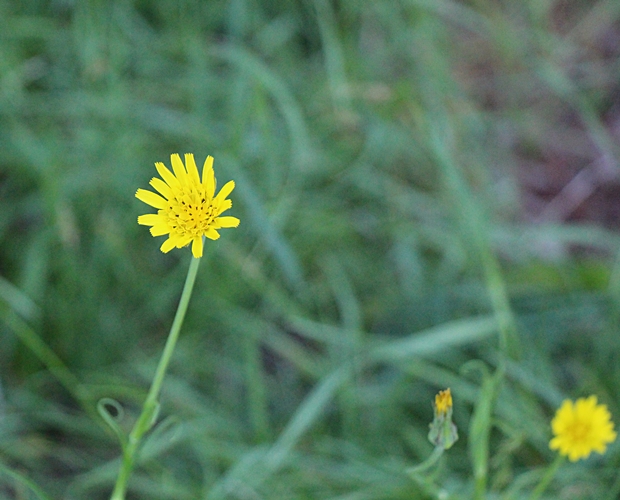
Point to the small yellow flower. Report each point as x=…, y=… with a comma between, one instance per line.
x=443, y=401
x=443, y=433
x=581, y=428
x=187, y=208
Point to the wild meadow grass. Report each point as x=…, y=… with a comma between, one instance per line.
x=426, y=192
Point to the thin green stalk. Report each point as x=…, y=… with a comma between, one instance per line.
x=428, y=463
x=151, y=405
x=546, y=479
x=423, y=480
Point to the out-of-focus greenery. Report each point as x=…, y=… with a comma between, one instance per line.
x=380, y=150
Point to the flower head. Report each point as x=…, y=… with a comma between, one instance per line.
x=443, y=433
x=582, y=427
x=188, y=208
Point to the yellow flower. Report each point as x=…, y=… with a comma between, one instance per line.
x=581, y=428
x=443, y=401
x=443, y=433
x=187, y=208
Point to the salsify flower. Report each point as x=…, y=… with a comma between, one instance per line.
x=582, y=427
x=188, y=208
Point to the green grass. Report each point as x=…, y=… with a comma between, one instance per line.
x=381, y=152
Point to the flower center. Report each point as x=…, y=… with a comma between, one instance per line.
x=580, y=431
x=189, y=212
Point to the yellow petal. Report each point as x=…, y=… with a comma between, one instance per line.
x=192, y=171
x=212, y=234
x=167, y=245
x=149, y=220
x=208, y=177
x=160, y=229
x=179, y=169
x=227, y=221
x=181, y=240
x=151, y=198
x=197, y=247
x=167, y=176
x=224, y=192
x=162, y=187
x=223, y=206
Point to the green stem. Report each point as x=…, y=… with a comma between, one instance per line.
x=480, y=487
x=428, y=463
x=424, y=481
x=546, y=479
x=151, y=404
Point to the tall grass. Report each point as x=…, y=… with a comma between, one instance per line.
x=400, y=168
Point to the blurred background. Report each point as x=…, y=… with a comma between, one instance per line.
x=425, y=187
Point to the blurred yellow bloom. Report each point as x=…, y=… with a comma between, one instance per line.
x=443, y=433
x=443, y=401
x=187, y=208
x=582, y=427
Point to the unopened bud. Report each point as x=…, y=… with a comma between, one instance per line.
x=443, y=432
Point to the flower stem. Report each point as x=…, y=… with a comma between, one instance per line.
x=423, y=480
x=428, y=463
x=546, y=479
x=151, y=405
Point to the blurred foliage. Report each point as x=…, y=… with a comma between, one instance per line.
x=403, y=168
